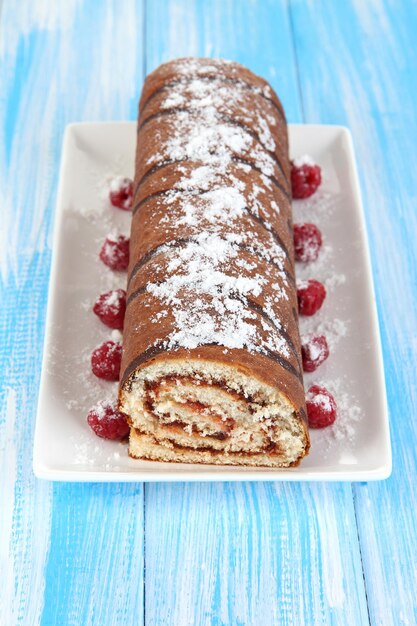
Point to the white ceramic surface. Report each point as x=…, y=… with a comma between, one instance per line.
x=356, y=448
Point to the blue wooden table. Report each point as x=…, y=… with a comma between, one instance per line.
x=198, y=554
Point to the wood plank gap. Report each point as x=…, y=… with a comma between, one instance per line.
x=144, y=552
x=360, y=553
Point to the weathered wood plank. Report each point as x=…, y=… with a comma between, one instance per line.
x=246, y=554
x=252, y=553
x=358, y=66
x=70, y=554
x=94, y=572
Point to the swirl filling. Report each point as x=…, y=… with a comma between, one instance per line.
x=180, y=410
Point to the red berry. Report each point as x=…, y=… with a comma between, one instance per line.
x=321, y=407
x=107, y=421
x=110, y=307
x=307, y=242
x=106, y=359
x=305, y=177
x=115, y=252
x=314, y=352
x=121, y=193
x=311, y=295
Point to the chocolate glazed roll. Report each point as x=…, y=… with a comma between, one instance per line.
x=211, y=369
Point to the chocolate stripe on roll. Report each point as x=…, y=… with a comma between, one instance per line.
x=182, y=241
x=251, y=304
x=138, y=292
x=223, y=118
x=268, y=228
x=151, y=196
x=256, y=90
x=178, y=192
x=177, y=243
x=160, y=348
x=257, y=307
x=157, y=168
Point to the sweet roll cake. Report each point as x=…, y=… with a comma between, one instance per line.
x=211, y=368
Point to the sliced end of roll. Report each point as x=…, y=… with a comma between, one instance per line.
x=197, y=411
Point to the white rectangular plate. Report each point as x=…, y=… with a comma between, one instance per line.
x=356, y=447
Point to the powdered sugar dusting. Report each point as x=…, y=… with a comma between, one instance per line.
x=348, y=415
x=321, y=209
x=116, y=336
x=117, y=183
x=100, y=409
x=216, y=98
x=89, y=221
x=212, y=206
x=204, y=138
x=303, y=160
x=333, y=329
x=208, y=299
x=315, y=349
x=94, y=203
x=210, y=305
x=321, y=400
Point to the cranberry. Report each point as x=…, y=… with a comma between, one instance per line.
x=107, y=421
x=115, y=252
x=314, y=352
x=321, y=407
x=311, y=295
x=121, y=193
x=106, y=359
x=110, y=307
x=305, y=178
x=307, y=242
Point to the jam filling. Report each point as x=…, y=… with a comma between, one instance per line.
x=225, y=426
x=271, y=448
